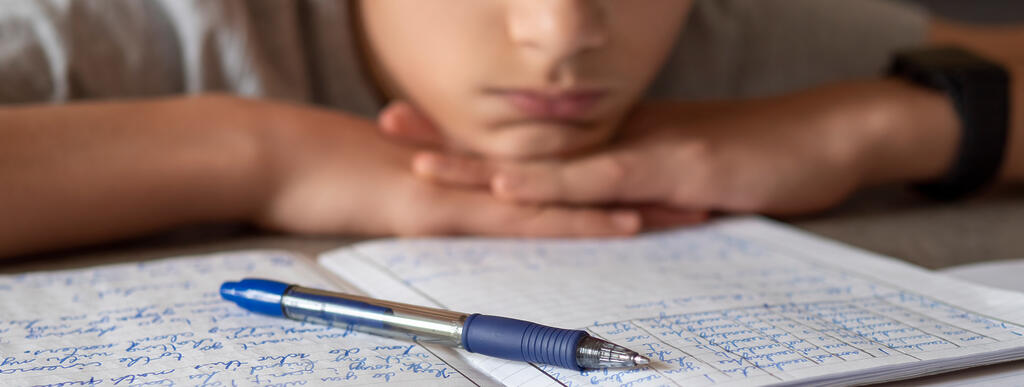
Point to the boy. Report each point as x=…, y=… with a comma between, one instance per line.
x=507, y=80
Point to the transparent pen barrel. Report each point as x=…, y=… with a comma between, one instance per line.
x=375, y=316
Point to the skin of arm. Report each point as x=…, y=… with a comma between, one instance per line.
x=919, y=140
x=97, y=171
x=786, y=155
x=90, y=172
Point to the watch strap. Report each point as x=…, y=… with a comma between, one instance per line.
x=979, y=90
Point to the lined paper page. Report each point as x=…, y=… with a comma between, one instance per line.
x=738, y=302
x=163, y=323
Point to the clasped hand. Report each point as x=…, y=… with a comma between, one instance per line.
x=673, y=162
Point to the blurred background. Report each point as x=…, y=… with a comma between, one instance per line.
x=987, y=11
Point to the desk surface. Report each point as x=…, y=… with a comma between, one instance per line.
x=890, y=221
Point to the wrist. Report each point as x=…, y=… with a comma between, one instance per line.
x=911, y=133
x=241, y=130
x=311, y=173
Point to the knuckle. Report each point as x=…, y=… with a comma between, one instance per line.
x=715, y=180
x=556, y=221
x=701, y=176
x=611, y=174
x=697, y=151
x=565, y=222
x=615, y=168
x=531, y=221
x=468, y=170
x=472, y=164
x=524, y=215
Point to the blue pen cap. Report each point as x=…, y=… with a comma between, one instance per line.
x=256, y=295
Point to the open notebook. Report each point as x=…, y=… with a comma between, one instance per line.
x=740, y=301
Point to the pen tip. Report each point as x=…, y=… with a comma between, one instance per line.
x=641, y=360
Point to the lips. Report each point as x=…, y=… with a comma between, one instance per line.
x=564, y=105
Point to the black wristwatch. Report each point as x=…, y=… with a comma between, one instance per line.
x=979, y=89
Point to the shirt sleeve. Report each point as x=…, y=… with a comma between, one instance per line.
x=52, y=51
x=755, y=48
x=60, y=50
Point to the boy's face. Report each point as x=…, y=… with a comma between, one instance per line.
x=520, y=78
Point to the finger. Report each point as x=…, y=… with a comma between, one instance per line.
x=452, y=169
x=481, y=214
x=403, y=121
x=603, y=178
x=661, y=217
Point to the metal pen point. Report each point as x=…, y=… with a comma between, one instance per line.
x=489, y=335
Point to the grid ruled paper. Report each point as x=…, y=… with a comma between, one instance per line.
x=738, y=302
x=163, y=323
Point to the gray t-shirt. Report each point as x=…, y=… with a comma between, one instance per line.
x=304, y=50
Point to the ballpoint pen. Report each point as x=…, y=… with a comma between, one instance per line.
x=501, y=337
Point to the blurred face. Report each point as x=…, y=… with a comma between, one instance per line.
x=520, y=78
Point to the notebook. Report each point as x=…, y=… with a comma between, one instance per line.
x=736, y=302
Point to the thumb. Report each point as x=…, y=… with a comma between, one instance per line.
x=404, y=122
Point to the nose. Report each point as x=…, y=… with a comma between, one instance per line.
x=557, y=30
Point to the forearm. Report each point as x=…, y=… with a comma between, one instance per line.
x=919, y=130
x=910, y=133
x=92, y=172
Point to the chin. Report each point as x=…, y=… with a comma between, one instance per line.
x=538, y=141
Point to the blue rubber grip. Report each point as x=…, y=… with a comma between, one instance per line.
x=521, y=340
